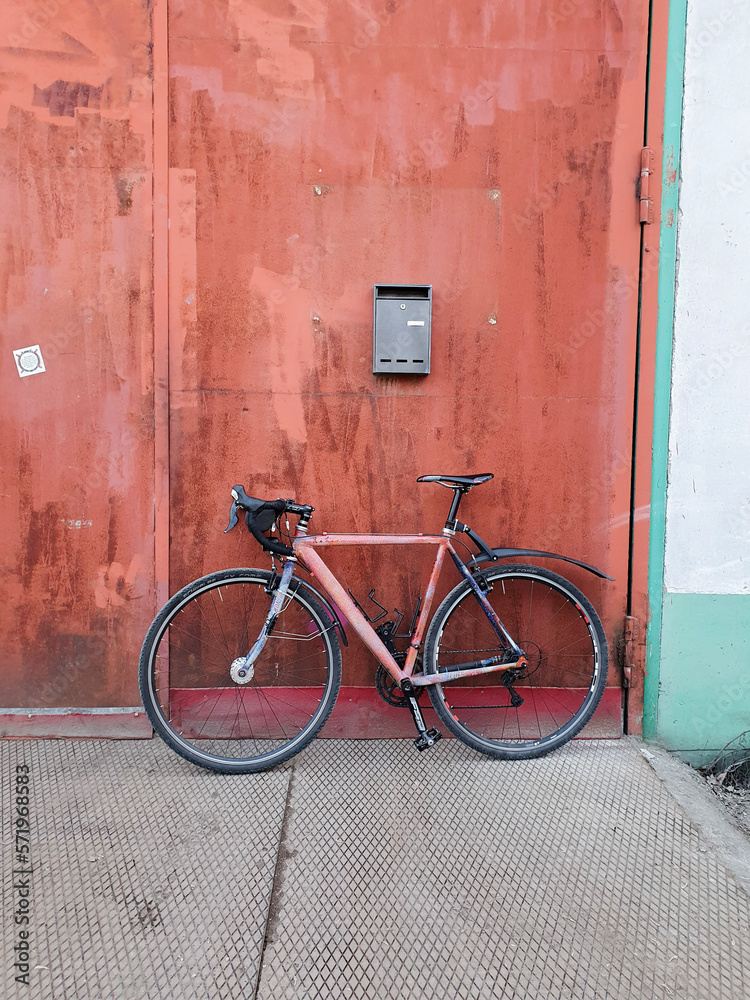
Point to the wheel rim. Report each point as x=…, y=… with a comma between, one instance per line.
x=203, y=710
x=559, y=689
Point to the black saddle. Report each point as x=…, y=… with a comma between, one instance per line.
x=457, y=482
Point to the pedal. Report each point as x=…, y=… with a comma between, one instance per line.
x=427, y=739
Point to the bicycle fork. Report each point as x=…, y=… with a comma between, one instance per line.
x=242, y=669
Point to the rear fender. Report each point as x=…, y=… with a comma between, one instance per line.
x=513, y=553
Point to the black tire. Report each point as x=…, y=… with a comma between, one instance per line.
x=187, y=691
x=562, y=637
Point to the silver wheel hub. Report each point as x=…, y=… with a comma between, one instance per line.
x=238, y=669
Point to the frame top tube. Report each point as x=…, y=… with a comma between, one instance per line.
x=353, y=538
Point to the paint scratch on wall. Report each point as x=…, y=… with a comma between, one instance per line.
x=114, y=586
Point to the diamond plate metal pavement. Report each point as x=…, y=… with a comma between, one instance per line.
x=447, y=874
x=365, y=869
x=151, y=879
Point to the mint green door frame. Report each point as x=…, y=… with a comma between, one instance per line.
x=663, y=362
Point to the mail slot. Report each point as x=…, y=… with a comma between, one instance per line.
x=401, y=329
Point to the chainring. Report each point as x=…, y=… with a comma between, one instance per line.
x=389, y=690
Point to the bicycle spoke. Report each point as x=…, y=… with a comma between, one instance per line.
x=555, y=693
x=285, y=698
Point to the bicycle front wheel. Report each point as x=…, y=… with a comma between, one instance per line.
x=519, y=713
x=185, y=681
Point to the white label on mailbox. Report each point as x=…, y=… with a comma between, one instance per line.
x=415, y=322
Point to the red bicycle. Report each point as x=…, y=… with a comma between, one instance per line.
x=241, y=668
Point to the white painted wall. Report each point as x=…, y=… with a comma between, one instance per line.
x=708, y=491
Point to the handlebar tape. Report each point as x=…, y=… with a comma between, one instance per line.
x=253, y=508
x=267, y=543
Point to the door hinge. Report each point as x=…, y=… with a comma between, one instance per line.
x=644, y=186
x=630, y=632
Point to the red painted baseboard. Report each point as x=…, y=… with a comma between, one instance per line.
x=360, y=713
x=75, y=723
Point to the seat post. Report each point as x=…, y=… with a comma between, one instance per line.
x=458, y=492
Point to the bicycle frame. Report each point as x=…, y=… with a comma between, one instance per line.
x=305, y=551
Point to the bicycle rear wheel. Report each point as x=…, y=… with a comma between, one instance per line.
x=564, y=642
x=184, y=672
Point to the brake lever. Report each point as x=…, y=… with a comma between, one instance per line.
x=232, y=517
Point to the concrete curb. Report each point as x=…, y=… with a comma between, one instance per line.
x=723, y=837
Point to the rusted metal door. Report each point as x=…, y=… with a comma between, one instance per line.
x=489, y=150
x=285, y=159
x=76, y=447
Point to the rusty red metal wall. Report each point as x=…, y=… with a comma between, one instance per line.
x=490, y=150
x=76, y=279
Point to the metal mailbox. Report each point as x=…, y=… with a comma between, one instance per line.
x=402, y=329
